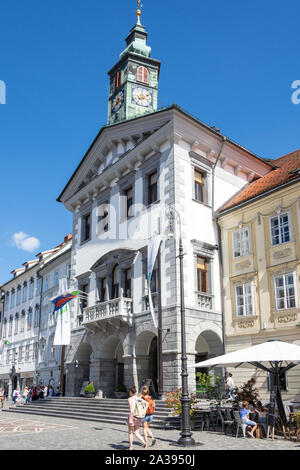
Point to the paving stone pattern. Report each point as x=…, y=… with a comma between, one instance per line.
x=64, y=434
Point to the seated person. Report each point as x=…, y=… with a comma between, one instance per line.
x=262, y=412
x=244, y=414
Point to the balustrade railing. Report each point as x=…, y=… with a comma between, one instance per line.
x=111, y=308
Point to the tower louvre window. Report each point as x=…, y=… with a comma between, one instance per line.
x=142, y=75
x=118, y=79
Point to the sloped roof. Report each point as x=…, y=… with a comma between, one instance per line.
x=285, y=172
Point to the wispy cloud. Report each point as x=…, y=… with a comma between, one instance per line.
x=22, y=241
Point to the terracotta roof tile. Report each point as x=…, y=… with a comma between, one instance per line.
x=275, y=178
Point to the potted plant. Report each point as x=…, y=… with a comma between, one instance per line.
x=173, y=400
x=209, y=387
x=246, y=392
x=121, y=391
x=89, y=391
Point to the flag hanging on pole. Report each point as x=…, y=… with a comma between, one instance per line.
x=153, y=248
x=63, y=327
x=3, y=342
x=61, y=300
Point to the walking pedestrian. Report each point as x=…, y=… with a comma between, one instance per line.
x=146, y=422
x=25, y=395
x=1, y=398
x=134, y=422
x=230, y=387
x=15, y=396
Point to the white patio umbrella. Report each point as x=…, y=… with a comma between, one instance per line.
x=275, y=357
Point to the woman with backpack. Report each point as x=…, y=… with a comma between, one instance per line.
x=134, y=421
x=149, y=415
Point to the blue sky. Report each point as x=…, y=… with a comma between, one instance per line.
x=231, y=64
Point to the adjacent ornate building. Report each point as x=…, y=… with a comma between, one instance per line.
x=261, y=265
x=142, y=162
x=28, y=322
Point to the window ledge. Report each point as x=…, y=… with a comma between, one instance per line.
x=202, y=203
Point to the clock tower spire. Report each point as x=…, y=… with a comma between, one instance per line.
x=134, y=79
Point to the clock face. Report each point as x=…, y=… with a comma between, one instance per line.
x=142, y=97
x=117, y=101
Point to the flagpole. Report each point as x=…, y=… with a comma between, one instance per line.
x=62, y=371
x=159, y=328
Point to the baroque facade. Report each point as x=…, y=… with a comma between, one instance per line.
x=261, y=257
x=28, y=322
x=144, y=161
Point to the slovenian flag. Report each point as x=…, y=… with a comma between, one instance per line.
x=60, y=301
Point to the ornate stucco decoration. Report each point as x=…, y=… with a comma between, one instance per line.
x=242, y=265
x=282, y=253
x=287, y=318
x=246, y=324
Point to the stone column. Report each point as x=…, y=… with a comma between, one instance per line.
x=107, y=377
x=130, y=373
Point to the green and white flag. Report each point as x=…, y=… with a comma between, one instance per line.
x=63, y=327
x=63, y=324
x=153, y=248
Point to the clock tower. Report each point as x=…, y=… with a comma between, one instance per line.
x=134, y=79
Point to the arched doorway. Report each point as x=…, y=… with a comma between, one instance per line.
x=81, y=368
x=208, y=344
x=146, y=357
x=111, y=373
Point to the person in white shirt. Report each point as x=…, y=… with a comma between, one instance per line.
x=230, y=387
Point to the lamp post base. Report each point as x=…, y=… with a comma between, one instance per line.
x=187, y=441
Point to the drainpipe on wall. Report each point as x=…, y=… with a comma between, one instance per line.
x=215, y=221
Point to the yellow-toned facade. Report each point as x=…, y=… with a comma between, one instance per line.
x=255, y=274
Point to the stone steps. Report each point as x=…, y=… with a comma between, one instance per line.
x=106, y=410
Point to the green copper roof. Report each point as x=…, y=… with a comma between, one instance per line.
x=137, y=42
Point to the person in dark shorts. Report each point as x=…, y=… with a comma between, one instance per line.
x=146, y=422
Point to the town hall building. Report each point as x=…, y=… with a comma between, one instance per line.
x=144, y=164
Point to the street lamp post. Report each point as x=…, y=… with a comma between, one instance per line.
x=186, y=439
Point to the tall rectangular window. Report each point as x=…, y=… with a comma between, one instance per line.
x=56, y=278
x=241, y=242
x=129, y=202
x=31, y=289
x=86, y=227
x=202, y=274
x=280, y=229
x=18, y=295
x=102, y=289
x=6, y=305
x=27, y=351
x=244, y=300
x=285, y=291
x=24, y=298
x=128, y=283
x=199, y=178
x=38, y=286
x=12, y=299
x=118, y=79
x=152, y=188
x=103, y=217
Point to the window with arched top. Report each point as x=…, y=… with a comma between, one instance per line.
x=16, y=330
x=118, y=80
x=142, y=75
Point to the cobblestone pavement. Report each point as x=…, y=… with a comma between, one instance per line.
x=66, y=434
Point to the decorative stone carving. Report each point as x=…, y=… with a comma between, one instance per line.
x=242, y=265
x=282, y=253
x=287, y=318
x=246, y=324
x=204, y=301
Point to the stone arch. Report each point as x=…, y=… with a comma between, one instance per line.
x=208, y=344
x=82, y=367
x=145, y=353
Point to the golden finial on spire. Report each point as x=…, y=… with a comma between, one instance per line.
x=139, y=12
